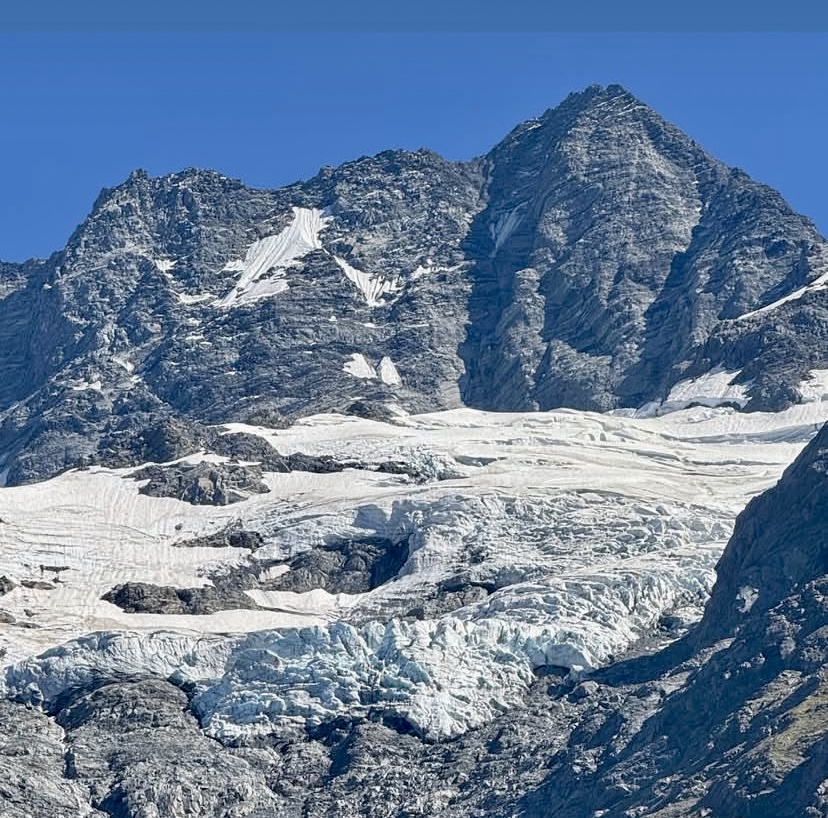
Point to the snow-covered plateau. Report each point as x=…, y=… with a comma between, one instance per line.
x=554, y=539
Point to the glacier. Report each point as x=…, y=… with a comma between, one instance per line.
x=555, y=539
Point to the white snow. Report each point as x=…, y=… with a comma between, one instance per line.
x=263, y=272
x=388, y=372
x=82, y=386
x=714, y=388
x=373, y=287
x=592, y=526
x=124, y=363
x=359, y=367
x=97, y=526
x=165, y=265
x=819, y=283
x=815, y=387
x=198, y=298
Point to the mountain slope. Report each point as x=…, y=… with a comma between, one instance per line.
x=594, y=259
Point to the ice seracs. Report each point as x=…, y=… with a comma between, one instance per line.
x=263, y=271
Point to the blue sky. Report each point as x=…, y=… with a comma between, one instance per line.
x=81, y=109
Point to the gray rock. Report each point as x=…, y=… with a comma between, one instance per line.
x=346, y=567
x=141, y=754
x=142, y=597
x=217, y=484
x=33, y=783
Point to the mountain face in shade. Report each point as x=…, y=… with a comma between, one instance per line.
x=593, y=259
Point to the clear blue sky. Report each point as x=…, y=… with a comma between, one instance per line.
x=81, y=109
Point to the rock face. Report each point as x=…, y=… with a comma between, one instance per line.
x=593, y=259
x=348, y=567
x=202, y=484
x=141, y=597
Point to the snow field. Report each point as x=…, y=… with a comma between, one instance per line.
x=584, y=529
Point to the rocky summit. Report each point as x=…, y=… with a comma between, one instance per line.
x=422, y=488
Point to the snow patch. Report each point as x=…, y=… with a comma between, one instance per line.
x=388, y=372
x=505, y=225
x=746, y=598
x=165, y=265
x=263, y=269
x=815, y=387
x=819, y=283
x=200, y=298
x=714, y=388
x=372, y=287
x=359, y=367
x=124, y=363
x=82, y=386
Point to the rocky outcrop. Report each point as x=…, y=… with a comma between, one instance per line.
x=347, y=567
x=142, y=597
x=33, y=768
x=216, y=484
x=137, y=751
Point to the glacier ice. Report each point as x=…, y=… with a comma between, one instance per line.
x=554, y=538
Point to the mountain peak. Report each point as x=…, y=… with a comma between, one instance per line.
x=611, y=106
x=597, y=92
x=597, y=97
